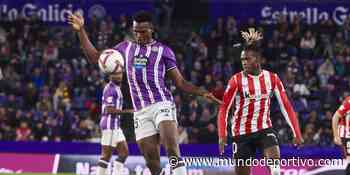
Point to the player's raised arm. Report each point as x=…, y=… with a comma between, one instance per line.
x=228, y=98
x=77, y=22
x=286, y=108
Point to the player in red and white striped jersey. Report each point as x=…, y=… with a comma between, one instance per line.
x=341, y=129
x=250, y=92
x=341, y=126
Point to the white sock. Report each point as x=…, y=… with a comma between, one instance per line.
x=102, y=167
x=181, y=170
x=275, y=169
x=101, y=171
x=118, y=168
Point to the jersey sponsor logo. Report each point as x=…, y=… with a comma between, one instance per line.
x=140, y=62
x=256, y=96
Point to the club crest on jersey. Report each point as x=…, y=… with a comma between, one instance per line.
x=140, y=62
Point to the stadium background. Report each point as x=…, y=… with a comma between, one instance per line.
x=49, y=93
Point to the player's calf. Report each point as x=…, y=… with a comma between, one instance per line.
x=104, y=160
x=168, y=135
x=150, y=148
x=123, y=152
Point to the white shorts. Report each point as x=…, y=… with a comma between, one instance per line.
x=112, y=137
x=146, y=120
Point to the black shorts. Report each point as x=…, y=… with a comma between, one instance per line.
x=346, y=146
x=245, y=146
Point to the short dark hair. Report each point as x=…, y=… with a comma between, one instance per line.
x=143, y=16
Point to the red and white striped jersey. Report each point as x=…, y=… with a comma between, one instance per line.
x=344, y=122
x=251, y=97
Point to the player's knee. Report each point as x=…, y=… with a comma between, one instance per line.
x=272, y=152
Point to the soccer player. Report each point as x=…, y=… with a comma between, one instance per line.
x=341, y=128
x=250, y=93
x=112, y=134
x=148, y=62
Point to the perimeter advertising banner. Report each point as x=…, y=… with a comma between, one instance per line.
x=266, y=11
x=55, y=11
x=135, y=165
x=21, y=163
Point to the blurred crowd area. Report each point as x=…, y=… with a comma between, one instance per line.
x=49, y=92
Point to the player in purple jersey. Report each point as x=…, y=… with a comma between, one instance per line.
x=112, y=135
x=147, y=62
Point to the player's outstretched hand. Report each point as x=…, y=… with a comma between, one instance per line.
x=337, y=141
x=222, y=144
x=211, y=97
x=76, y=20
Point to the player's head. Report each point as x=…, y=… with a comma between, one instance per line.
x=250, y=58
x=250, y=55
x=116, y=76
x=142, y=27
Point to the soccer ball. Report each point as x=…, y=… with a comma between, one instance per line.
x=111, y=61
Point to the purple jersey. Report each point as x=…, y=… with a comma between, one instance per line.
x=112, y=96
x=146, y=67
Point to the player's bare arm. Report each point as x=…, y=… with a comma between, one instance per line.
x=113, y=110
x=289, y=113
x=230, y=93
x=77, y=22
x=188, y=87
x=335, y=121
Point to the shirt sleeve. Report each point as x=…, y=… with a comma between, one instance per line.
x=228, y=98
x=285, y=106
x=169, y=59
x=345, y=107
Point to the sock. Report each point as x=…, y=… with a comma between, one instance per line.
x=180, y=168
x=117, y=167
x=275, y=169
x=102, y=167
